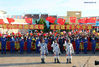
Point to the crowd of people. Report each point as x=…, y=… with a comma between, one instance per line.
x=49, y=38
x=51, y=42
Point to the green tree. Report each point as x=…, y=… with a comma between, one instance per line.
x=42, y=21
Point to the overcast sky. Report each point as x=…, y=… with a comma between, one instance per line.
x=52, y=7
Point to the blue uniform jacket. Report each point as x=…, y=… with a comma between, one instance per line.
x=77, y=41
x=21, y=42
x=3, y=41
x=85, y=41
x=93, y=42
x=46, y=41
x=12, y=41
x=37, y=42
x=29, y=41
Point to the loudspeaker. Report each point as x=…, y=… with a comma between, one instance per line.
x=96, y=62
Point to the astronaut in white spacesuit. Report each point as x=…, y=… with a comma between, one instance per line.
x=43, y=50
x=69, y=51
x=56, y=51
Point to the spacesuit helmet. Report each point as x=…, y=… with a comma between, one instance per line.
x=22, y=37
x=55, y=41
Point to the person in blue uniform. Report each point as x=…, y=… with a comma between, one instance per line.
x=29, y=40
x=77, y=41
x=21, y=45
x=12, y=45
x=3, y=45
x=46, y=40
x=93, y=45
x=37, y=47
x=85, y=41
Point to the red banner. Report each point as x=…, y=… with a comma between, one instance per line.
x=57, y=27
x=63, y=27
x=41, y=27
x=14, y=26
x=84, y=27
x=36, y=27
x=20, y=26
x=52, y=27
x=26, y=26
x=72, y=27
x=89, y=27
x=68, y=26
x=78, y=26
x=31, y=26
x=9, y=26
x=4, y=26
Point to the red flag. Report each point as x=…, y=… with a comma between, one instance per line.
x=28, y=20
x=73, y=19
x=1, y=21
x=10, y=20
x=0, y=34
x=92, y=19
x=61, y=21
x=87, y=20
x=80, y=20
x=97, y=19
x=83, y=20
x=51, y=19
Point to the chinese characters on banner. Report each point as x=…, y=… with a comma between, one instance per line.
x=72, y=27
x=20, y=26
x=39, y=26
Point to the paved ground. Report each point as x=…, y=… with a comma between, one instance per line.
x=33, y=60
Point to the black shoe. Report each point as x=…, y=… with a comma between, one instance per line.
x=42, y=61
x=58, y=61
x=70, y=61
x=55, y=60
x=67, y=61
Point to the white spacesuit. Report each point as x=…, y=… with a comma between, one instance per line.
x=69, y=51
x=43, y=50
x=56, y=51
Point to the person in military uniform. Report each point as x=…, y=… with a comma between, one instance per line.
x=37, y=42
x=77, y=41
x=29, y=40
x=21, y=41
x=12, y=45
x=3, y=45
x=93, y=41
x=85, y=41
